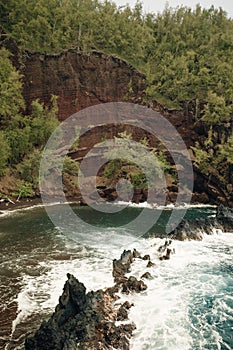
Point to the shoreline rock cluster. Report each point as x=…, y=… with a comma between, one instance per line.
x=94, y=320
x=194, y=230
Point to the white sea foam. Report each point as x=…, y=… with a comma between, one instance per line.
x=167, y=315
x=10, y=212
x=42, y=292
x=5, y=212
x=157, y=206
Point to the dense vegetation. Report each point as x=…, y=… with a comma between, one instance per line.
x=135, y=162
x=23, y=137
x=187, y=57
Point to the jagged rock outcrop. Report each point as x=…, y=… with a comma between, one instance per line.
x=83, y=321
x=122, y=266
x=225, y=218
x=87, y=321
x=194, y=230
x=146, y=275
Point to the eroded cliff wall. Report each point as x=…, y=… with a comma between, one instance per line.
x=80, y=80
x=83, y=79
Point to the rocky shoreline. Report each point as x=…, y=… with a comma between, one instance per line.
x=98, y=319
x=24, y=203
x=195, y=230
x=5, y=204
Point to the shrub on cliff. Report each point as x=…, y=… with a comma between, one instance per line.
x=11, y=99
x=135, y=161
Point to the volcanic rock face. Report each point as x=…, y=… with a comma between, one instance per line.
x=225, y=218
x=83, y=79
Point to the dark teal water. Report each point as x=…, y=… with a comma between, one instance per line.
x=195, y=287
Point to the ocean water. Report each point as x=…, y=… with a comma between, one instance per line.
x=189, y=301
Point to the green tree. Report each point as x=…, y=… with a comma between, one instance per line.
x=70, y=167
x=11, y=100
x=29, y=168
x=226, y=150
x=5, y=153
x=23, y=190
x=43, y=121
x=19, y=141
x=136, y=160
x=216, y=110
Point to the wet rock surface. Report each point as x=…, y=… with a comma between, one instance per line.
x=225, y=218
x=88, y=320
x=194, y=230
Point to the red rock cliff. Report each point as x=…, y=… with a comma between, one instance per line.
x=80, y=80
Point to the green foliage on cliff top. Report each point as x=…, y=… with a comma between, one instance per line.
x=187, y=55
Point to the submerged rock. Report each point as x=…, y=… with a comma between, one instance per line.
x=146, y=275
x=146, y=257
x=167, y=255
x=136, y=254
x=150, y=264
